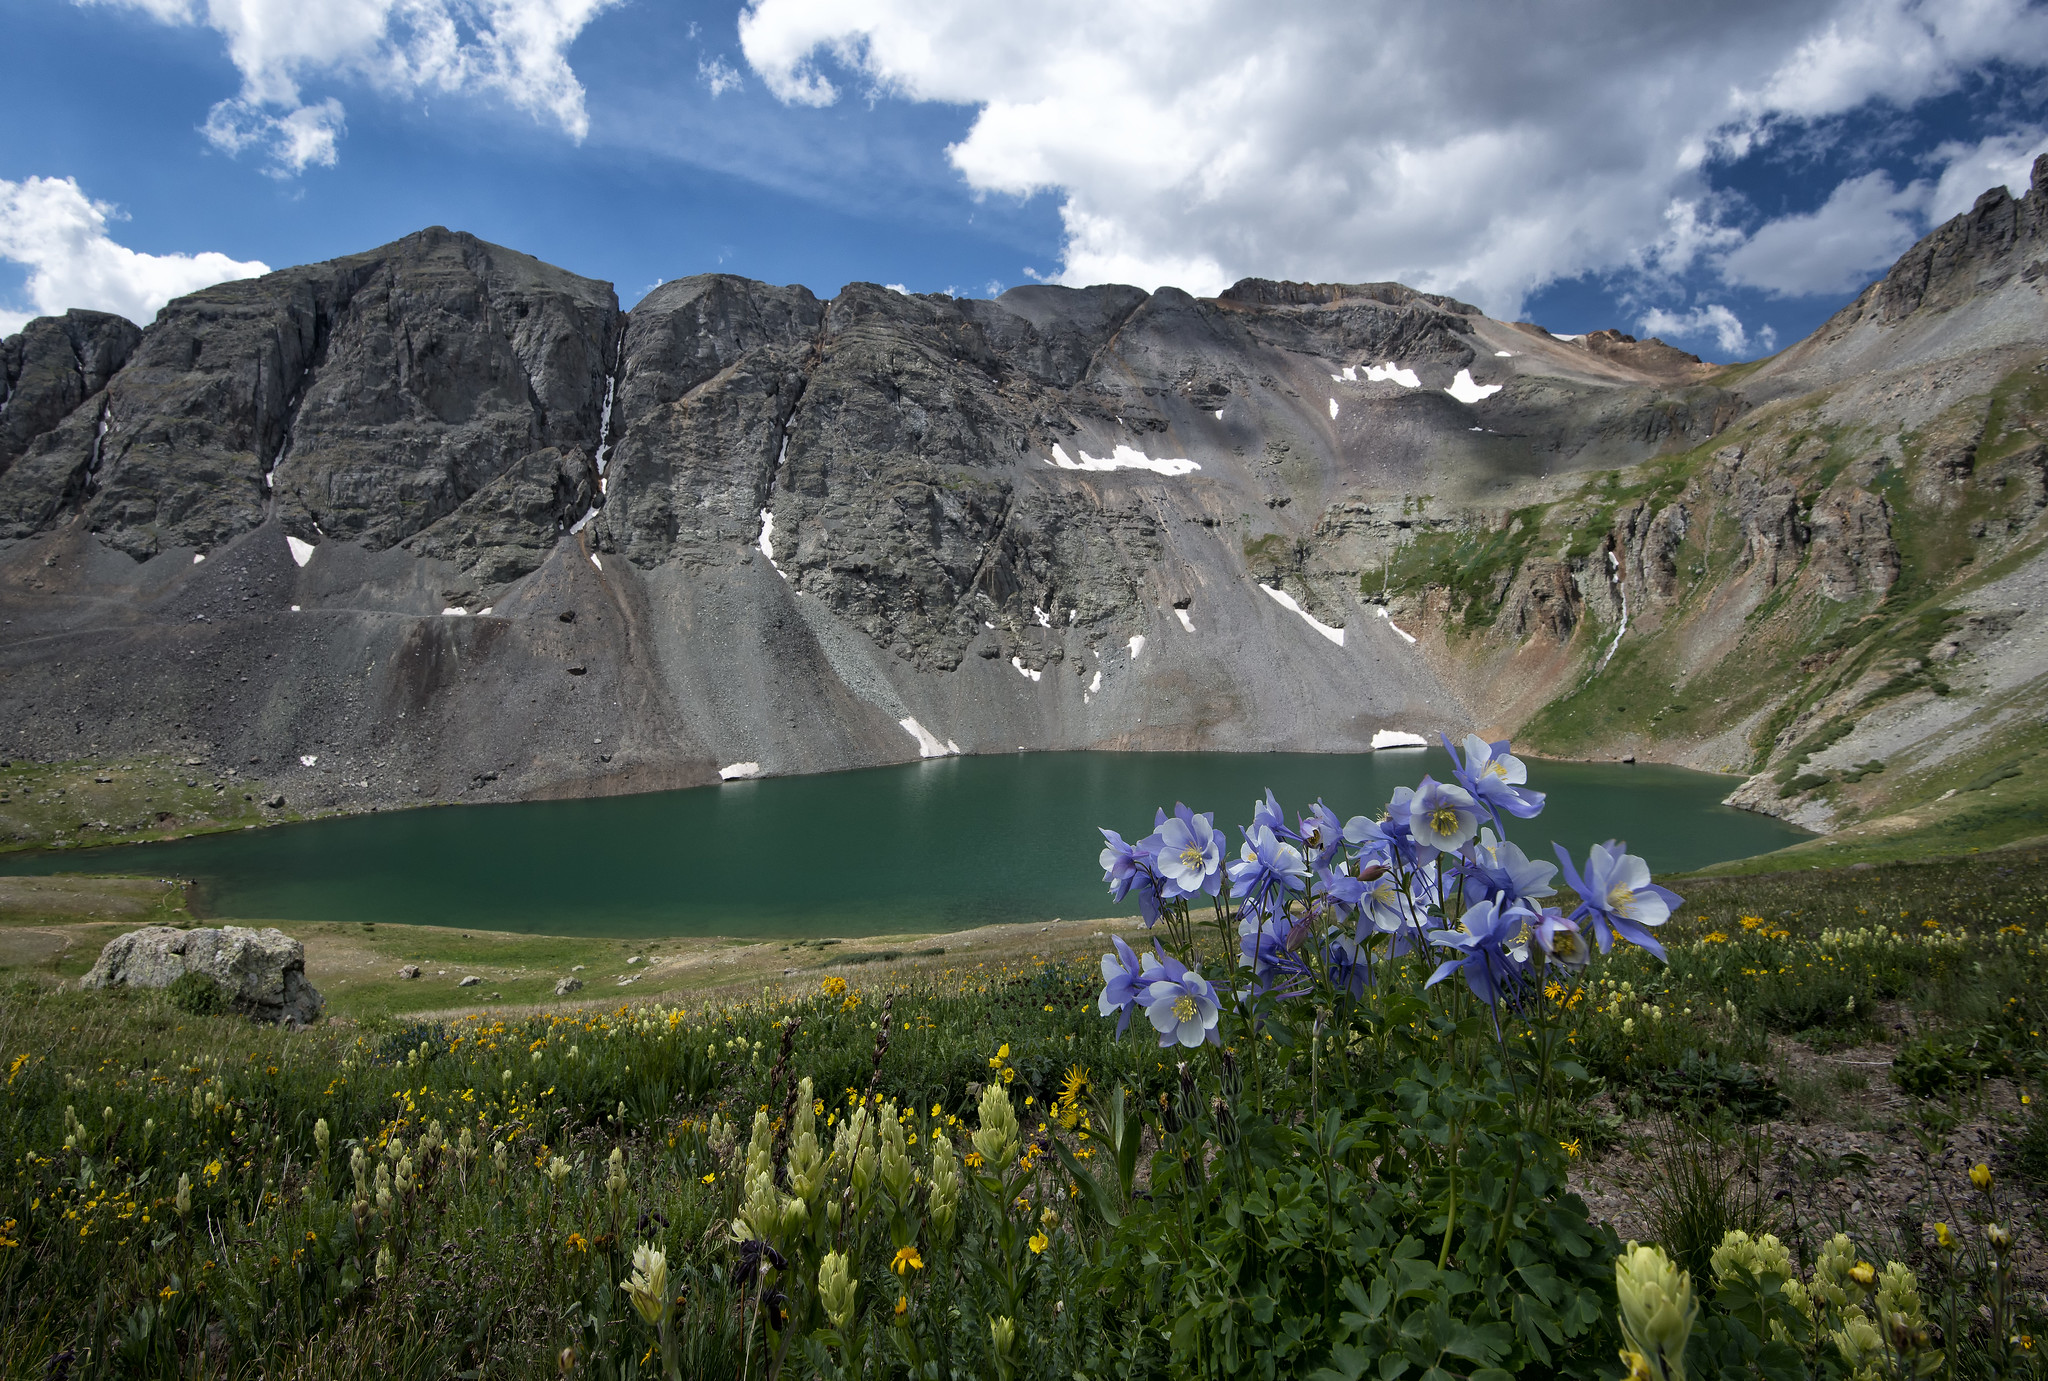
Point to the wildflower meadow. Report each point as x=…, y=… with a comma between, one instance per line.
x=1326, y=1113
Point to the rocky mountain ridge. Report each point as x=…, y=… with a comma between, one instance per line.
x=440, y=521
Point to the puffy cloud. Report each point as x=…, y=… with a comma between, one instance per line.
x=719, y=76
x=515, y=49
x=1464, y=147
x=1864, y=225
x=305, y=136
x=1709, y=319
x=50, y=225
x=1971, y=168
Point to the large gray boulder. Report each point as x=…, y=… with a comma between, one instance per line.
x=260, y=972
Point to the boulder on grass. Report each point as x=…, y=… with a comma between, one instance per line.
x=566, y=986
x=260, y=972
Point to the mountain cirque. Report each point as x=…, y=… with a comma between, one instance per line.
x=440, y=522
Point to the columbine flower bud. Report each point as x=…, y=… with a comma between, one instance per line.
x=1657, y=1309
x=835, y=1288
x=648, y=1285
x=997, y=1139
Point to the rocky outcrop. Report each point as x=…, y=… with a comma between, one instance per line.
x=362, y=399
x=1852, y=548
x=53, y=366
x=261, y=973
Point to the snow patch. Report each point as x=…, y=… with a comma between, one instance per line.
x=1503, y=354
x=595, y=562
x=1185, y=621
x=1391, y=373
x=1137, y=645
x=302, y=552
x=1073, y=614
x=295, y=608
x=1044, y=619
x=738, y=771
x=454, y=611
x=484, y=612
x=1333, y=409
x=583, y=522
x=308, y=759
x=1219, y=414
x=1095, y=686
x=1123, y=458
x=928, y=746
x=1398, y=738
x=1026, y=672
x=767, y=540
x=1287, y=602
x=197, y=557
x=1405, y=634
x=1466, y=391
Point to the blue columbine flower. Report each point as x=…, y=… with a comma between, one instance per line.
x=1441, y=816
x=1506, y=873
x=1123, y=979
x=1619, y=895
x=1490, y=960
x=1267, y=870
x=1370, y=838
x=1266, y=948
x=1560, y=941
x=1494, y=777
x=1321, y=834
x=1180, y=1003
x=1127, y=868
x=1269, y=814
x=1189, y=857
x=1349, y=964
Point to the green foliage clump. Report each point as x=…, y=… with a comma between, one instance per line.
x=197, y=995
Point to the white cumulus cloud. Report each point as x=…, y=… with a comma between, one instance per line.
x=1864, y=225
x=517, y=50
x=1708, y=319
x=60, y=234
x=1465, y=147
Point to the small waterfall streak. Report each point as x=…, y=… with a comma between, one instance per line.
x=1621, y=591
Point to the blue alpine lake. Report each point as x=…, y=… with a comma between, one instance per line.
x=925, y=846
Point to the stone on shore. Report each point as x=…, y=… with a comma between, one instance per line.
x=261, y=973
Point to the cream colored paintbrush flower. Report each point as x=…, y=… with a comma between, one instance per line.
x=648, y=1285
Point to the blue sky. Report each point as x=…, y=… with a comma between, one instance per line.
x=1725, y=179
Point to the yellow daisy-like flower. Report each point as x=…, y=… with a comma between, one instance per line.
x=907, y=1260
x=902, y=1305
x=1039, y=1242
x=575, y=1243
x=1570, y=1148
x=710, y=1179
x=1074, y=1085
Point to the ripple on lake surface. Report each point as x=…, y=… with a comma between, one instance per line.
x=929, y=845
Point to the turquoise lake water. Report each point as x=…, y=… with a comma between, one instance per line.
x=924, y=846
